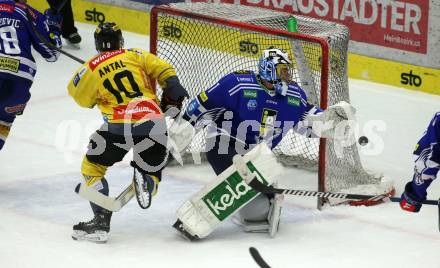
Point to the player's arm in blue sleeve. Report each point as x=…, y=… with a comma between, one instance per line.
x=427, y=158
x=212, y=103
x=42, y=26
x=303, y=127
x=427, y=165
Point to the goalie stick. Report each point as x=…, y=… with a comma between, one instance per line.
x=260, y=187
x=257, y=258
x=252, y=180
x=111, y=203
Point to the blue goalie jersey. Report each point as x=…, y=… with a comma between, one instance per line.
x=241, y=106
x=17, y=36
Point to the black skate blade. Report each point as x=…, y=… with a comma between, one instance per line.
x=178, y=225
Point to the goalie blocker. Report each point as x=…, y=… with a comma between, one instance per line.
x=227, y=194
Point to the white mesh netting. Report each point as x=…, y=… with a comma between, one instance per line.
x=203, y=49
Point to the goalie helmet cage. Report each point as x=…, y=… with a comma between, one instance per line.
x=205, y=41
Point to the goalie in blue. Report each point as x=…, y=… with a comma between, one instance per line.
x=243, y=109
x=18, y=25
x=427, y=164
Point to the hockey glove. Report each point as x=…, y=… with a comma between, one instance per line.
x=53, y=21
x=409, y=200
x=173, y=95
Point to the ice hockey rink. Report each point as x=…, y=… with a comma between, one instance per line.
x=40, y=167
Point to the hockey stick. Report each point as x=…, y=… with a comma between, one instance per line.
x=111, y=203
x=252, y=180
x=52, y=46
x=48, y=43
x=260, y=187
x=439, y=214
x=257, y=258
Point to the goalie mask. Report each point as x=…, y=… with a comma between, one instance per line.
x=108, y=37
x=276, y=68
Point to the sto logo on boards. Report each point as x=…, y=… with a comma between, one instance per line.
x=248, y=47
x=172, y=31
x=94, y=15
x=410, y=79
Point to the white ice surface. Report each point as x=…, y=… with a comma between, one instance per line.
x=38, y=205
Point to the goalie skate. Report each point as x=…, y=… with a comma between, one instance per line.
x=178, y=225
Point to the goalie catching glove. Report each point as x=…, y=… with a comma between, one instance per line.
x=329, y=123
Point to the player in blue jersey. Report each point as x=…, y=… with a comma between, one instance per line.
x=243, y=109
x=427, y=165
x=21, y=28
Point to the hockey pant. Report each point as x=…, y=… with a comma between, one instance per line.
x=104, y=152
x=14, y=94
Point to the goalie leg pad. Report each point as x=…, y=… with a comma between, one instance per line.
x=276, y=205
x=226, y=194
x=253, y=217
x=261, y=215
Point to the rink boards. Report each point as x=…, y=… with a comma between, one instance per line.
x=135, y=17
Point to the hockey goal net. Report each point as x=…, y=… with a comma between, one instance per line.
x=206, y=41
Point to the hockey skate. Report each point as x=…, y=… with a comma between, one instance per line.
x=145, y=186
x=178, y=225
x=96, y=230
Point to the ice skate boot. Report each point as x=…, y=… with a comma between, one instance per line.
x=95, y=230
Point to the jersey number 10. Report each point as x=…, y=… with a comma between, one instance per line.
x=121, y=87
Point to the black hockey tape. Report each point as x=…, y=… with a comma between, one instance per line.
x=77, y=188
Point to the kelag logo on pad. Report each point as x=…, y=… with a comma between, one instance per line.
x=231, y=194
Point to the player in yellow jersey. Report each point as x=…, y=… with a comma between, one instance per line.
x=120, y=83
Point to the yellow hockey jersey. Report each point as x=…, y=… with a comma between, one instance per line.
x=119, y=82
